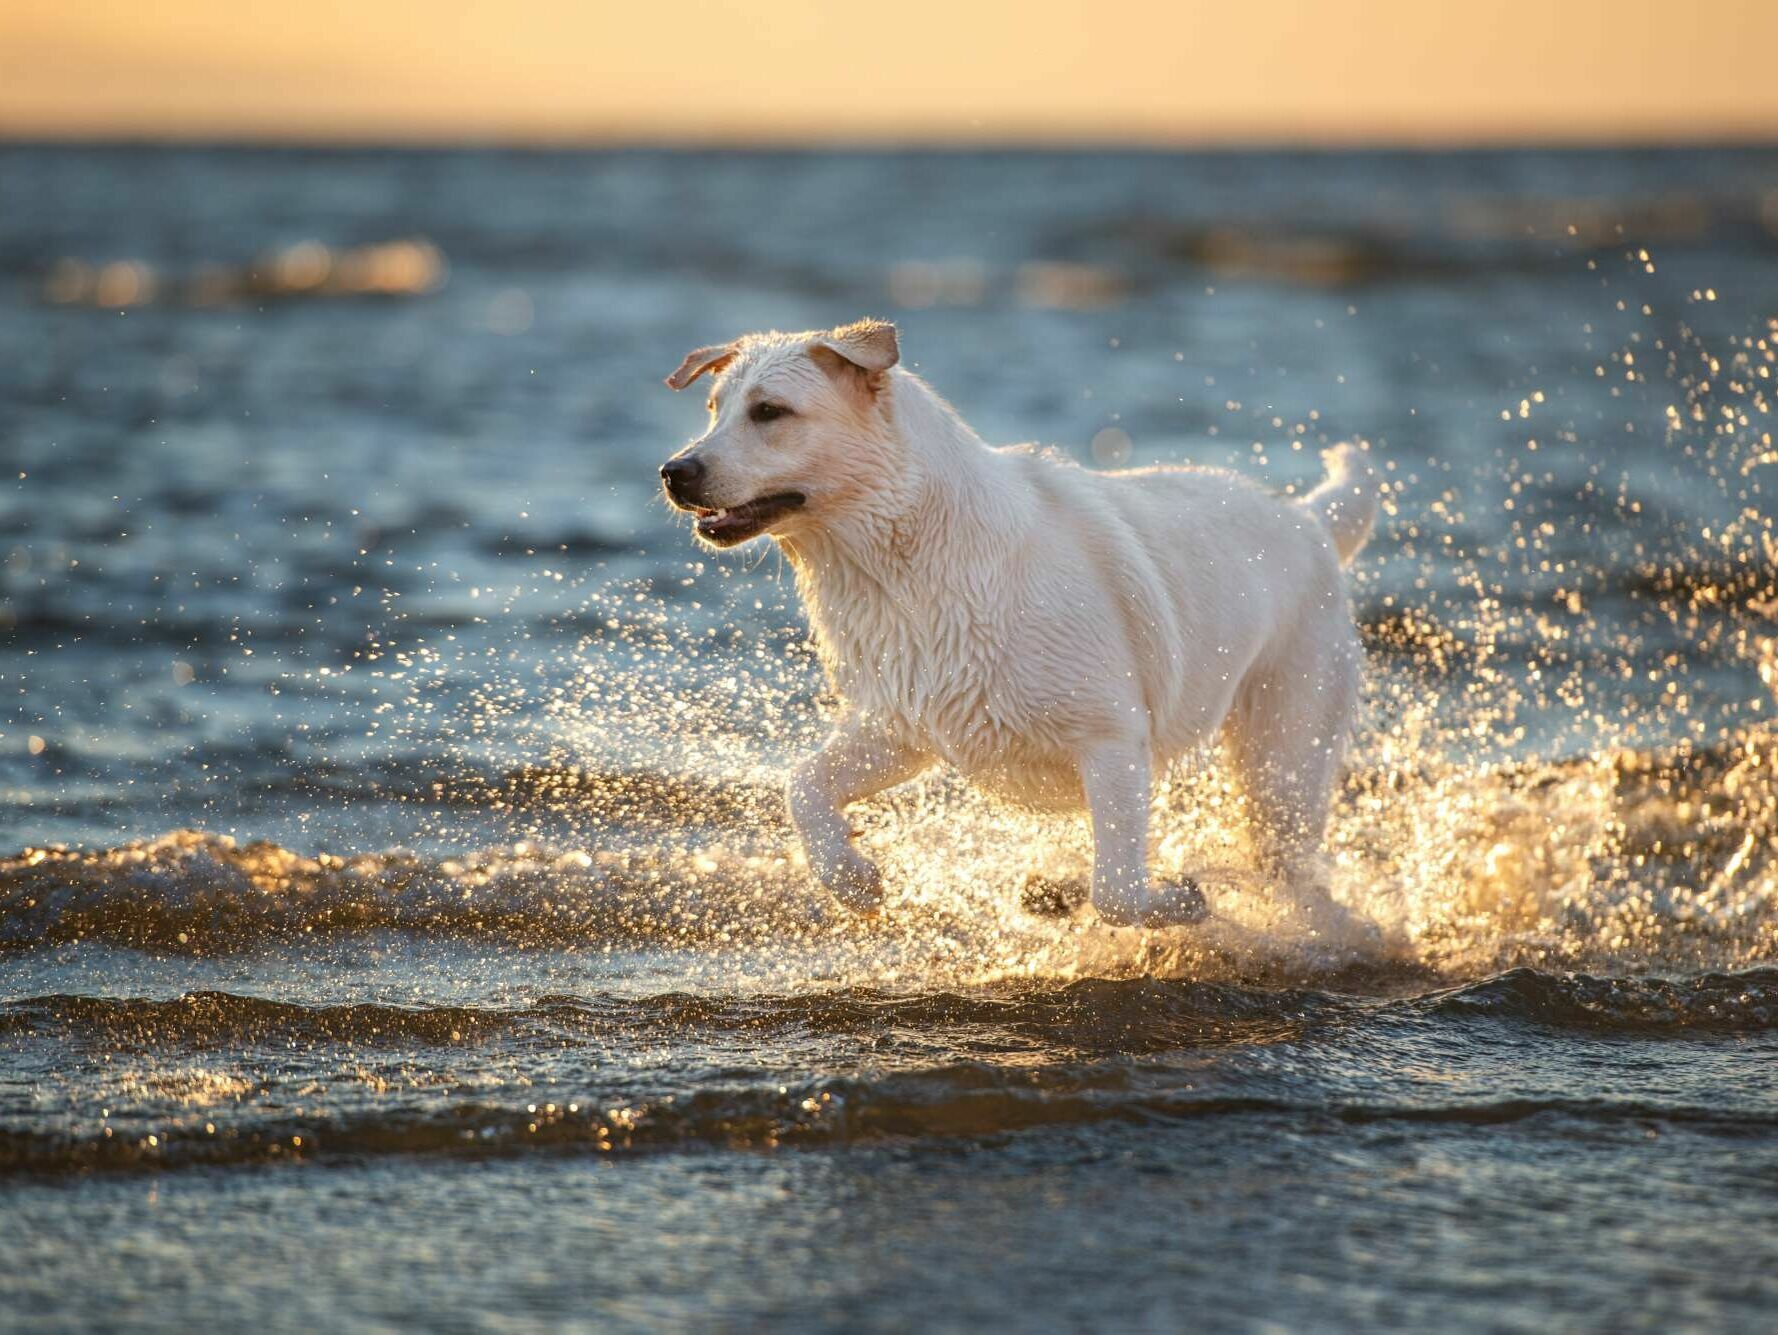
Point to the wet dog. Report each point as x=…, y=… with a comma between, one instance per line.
x=1056, y=634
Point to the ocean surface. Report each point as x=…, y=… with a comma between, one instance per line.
x=398, y=923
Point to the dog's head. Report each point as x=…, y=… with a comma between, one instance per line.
x=796, y=425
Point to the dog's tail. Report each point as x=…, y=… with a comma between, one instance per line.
x=1346, y=504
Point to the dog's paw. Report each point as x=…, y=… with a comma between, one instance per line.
x=1334, y=925
x=1050, y=899
x=854, y=880
x=1181, y=905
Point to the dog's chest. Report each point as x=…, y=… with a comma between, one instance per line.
x=942, y=672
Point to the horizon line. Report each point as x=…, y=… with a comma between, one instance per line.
x=1024, y=139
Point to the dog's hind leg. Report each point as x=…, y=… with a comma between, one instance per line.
x=1285, y=741
x=854, y=763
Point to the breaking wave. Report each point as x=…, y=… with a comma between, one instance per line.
x=1633, y=860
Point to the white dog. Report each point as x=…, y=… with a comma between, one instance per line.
x=1057, y=635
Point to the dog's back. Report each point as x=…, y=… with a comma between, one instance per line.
x=1181, y=580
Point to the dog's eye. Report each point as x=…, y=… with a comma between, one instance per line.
x=768, y=412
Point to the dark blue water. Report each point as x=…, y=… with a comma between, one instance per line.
x=398, y=924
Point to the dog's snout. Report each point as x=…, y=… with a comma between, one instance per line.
x=682, y=475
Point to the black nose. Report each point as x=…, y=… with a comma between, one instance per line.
x=682, y=476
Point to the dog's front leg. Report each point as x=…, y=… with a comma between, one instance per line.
x=854, y=763
x=1115, y=777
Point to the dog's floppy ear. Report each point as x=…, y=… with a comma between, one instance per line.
x=699, y=361
x=870, y=345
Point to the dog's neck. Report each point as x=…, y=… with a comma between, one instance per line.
x=882, y=553
x=938, y=477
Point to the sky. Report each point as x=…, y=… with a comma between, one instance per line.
x=1388, y=71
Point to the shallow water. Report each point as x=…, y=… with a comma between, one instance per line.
x=397, y=919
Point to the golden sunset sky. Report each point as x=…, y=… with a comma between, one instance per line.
x=1405, y=71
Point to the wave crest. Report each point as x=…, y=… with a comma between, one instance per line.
x=1633, y=861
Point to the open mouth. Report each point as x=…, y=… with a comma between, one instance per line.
x=741, y=522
